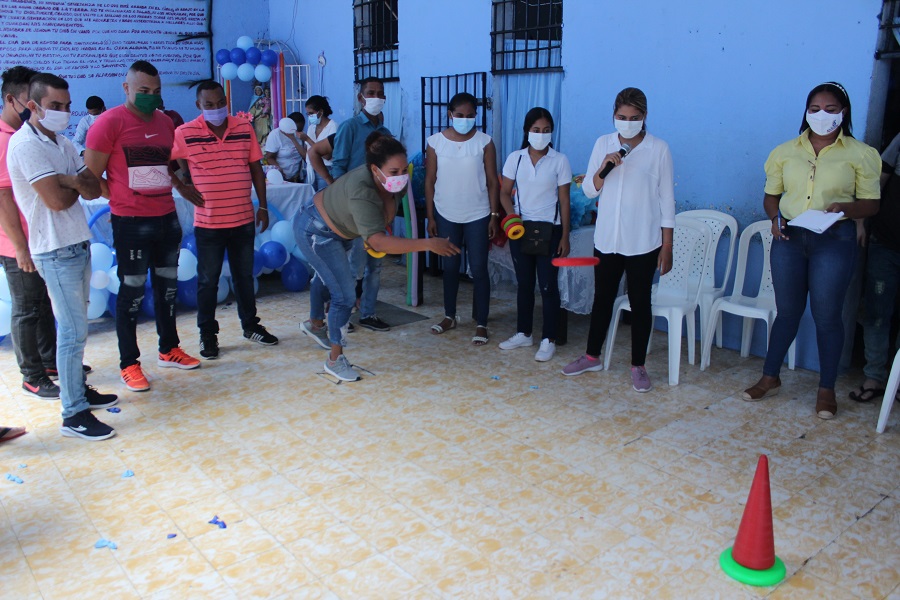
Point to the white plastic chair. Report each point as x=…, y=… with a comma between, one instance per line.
x=718, y=222
x=676, y=295
x=890, y=392
x=761, y=306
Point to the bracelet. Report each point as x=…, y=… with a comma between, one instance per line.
x=263, y=208
x=495, y=214
x=667, y=243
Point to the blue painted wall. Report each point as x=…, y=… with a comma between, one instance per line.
x=726, y=82
x=231, y=20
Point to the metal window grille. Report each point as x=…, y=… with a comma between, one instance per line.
x=436, y=94
x=526, y=36
x=375, y=45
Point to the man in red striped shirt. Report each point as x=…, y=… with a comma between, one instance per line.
x=223, y=157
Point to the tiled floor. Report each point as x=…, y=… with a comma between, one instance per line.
x=434, y=479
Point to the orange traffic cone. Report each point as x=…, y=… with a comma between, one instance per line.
x=752, y=559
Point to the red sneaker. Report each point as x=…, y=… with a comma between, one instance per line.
x=178, y=359
x=134, y=379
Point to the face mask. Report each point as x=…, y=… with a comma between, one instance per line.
x=55, y=120
x=462, y=126
x=823, y=123
x=539, y=141
x=313, y=119
x=26, y=112
x=374, y=106
x=216, y=116
x=628, y=129
x=395, y=183
x=147, y=103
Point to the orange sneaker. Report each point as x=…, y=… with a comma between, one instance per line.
x=178, y=359
x=134, y=379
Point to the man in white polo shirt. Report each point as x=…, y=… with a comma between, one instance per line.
x=47, y=176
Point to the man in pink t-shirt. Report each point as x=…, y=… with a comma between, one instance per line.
x=32, y=328
x=132, y=144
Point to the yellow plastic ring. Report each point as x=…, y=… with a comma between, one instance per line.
x=515, y=231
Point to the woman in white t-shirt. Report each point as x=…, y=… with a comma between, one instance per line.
x=320, y=127
x=462, y=203
x=285, y=147
x=541, y=177
x=635, y=221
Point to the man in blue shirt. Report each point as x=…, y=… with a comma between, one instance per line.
x=349, y=153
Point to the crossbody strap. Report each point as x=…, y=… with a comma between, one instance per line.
x=516, y=187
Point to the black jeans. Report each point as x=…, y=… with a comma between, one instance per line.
x=211, y=247
x=527, y=265
x=32, y=328
x=144, y=243
x=607, y=275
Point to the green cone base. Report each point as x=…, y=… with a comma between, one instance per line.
x=765, y=578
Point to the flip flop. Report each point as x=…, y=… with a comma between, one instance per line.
x=436, y=329
x=865, y=394
x=11, y=433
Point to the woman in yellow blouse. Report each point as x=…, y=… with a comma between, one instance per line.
x=826, y=169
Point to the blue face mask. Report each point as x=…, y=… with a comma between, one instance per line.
x=216, y=116
x=313, y=119
x=462, y=126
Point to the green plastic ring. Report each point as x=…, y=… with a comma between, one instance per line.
x=764, y=578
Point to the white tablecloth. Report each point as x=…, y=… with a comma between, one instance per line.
x=576, y=284
x=286, y=198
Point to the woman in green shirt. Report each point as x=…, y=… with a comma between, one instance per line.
x=361, y=204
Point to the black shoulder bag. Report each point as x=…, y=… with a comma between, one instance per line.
x=538, y=234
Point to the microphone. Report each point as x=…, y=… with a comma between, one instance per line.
x=623, y=151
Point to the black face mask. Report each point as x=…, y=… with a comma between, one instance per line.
x=26, y=112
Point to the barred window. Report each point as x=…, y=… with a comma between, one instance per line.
x=526, y=35
x=375, y=44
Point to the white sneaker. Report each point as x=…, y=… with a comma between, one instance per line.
x=546, y=351
x=520, y=340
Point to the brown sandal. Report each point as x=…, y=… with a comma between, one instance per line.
x=757, y=393
x=826, y=404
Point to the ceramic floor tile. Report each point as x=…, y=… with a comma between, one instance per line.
x=267, y=575
x=330, y=550
x=240, y=539
x=429, y=556
x=373, y=578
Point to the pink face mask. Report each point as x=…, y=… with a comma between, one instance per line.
x=395, y=183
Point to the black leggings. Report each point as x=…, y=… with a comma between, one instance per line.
x=639, y=270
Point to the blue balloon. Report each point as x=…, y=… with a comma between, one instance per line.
x=294, y=276
x=190, y=242
x=111, y=304
x=269, y=58
x=187, y=292
x=274, y=254
x=253, y=55
x=229, y=71
x=223, y=56
x=258, y=263
x=238, y=56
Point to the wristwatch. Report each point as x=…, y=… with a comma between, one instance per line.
x=495, y=214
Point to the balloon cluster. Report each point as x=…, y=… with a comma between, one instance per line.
x=247, y=62
x=276, y=250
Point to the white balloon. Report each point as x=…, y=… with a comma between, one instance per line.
x=222, y=292
x=246, y=72
x=283, y=233
x=99, y=280
x=275, y=177
x=101, y=257
x=265, y=236
x=187, y=265
x=244, y=42
x=97, y=303
x=113, y=286
x=4, y=287
x=5, y=318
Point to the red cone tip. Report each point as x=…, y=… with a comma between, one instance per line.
x=754, y=546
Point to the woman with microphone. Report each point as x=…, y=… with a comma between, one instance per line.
x=824, y=169
x=630, y=172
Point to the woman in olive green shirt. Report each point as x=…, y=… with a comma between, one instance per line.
x=360, y=204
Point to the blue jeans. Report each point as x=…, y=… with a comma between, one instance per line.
x=326, y=252
x=818, y=265
x=142, y=243
x=474, y=236
x=319, y=182
x=368, y=268
x=67, y=273
x=882, y=279
x=527, y=265
x=211, y=246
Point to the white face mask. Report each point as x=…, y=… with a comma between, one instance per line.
x=823, y=123
x=628, y=129
x=374, y=106
x=461, y=125
x=55, y=120
x=539, y=141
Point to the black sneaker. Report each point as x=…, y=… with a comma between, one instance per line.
x=259, y=335
x=98, y=400
x=53, y=374
x=351, y=327
x=86, y=426
x=43, y=388
x=209, y=347
x=374, y=323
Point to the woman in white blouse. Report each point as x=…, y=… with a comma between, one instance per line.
x=635, y=219
x=461, y=200
x=320, y=127
x=541, y=177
